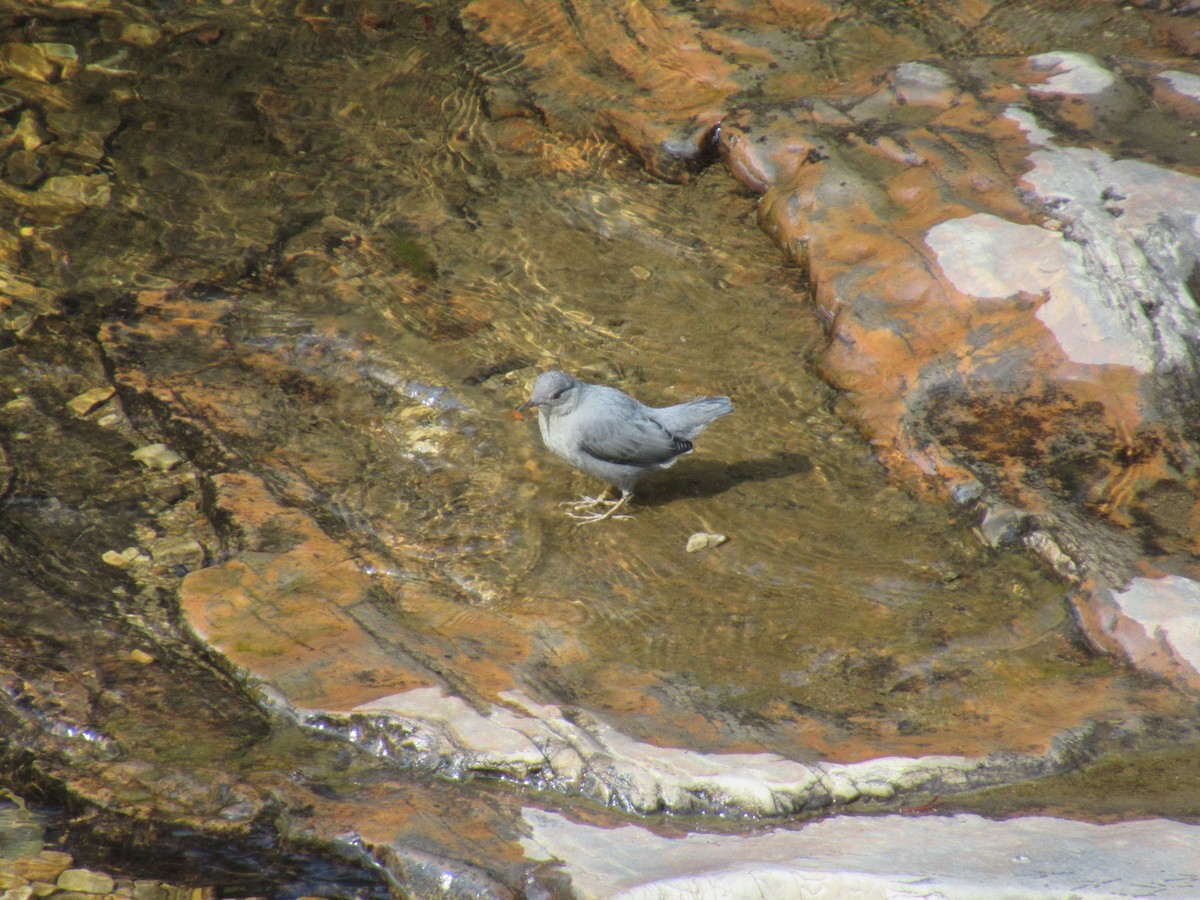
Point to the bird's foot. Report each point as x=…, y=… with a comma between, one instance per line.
x=611, y=507
x=588, y=503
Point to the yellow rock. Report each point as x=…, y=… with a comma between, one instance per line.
x=47, y=63
x=89, y=400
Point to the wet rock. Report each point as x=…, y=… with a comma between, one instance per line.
x=29, y=134
x=124, y=558
x=157, y=456
x=703, y=540
x=1046, y=547
x=76, y=192
x=919, y=84
x=667, y=125
x=1002, y=525
x=288, y=586
x=169, y=493
x=140, y=34
x=45, y=867
x=85, y=881
x=141, y=657
x=89, y=400
x=39, y=62
x=151, y=890
x=10, y=881
x=179, y=551
x=61, y=197
x=24, y=169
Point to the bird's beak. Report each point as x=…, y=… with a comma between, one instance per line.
x=524, y=406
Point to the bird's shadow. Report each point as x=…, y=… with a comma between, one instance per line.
x=708, y=478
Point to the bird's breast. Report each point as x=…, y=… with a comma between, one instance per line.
x=554, y=435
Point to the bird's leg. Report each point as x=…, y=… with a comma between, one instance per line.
x=609, y=513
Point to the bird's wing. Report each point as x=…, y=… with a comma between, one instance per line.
x=634, y=440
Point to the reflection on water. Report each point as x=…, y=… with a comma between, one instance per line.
x=364, y=273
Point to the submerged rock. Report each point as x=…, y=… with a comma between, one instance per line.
x=157, y=456
x=85, y=881
x=89, y=400
x=703, y=540
x=46, y=62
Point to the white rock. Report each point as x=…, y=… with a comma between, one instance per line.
x=89, y=400
x=1169, y=609
x=703, y=540
x=157, y=456
x=1075, y=73
x=1183, y=83
x=962, y=857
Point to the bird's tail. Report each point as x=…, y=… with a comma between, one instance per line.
x=686, y=420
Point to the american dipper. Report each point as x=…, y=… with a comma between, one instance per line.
x=606, y=433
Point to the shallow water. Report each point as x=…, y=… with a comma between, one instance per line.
x=375, y=254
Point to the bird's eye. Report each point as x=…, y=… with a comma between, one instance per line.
x=558, y=393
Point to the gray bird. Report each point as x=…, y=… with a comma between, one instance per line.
x=606, y=433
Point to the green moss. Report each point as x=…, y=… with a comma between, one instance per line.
x=407, y=253
x=1162, y=782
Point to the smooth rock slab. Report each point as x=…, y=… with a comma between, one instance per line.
x=962, y=856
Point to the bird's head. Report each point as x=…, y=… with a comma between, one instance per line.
x=553, y=392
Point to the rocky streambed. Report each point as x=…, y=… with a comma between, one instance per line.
x=281, y=570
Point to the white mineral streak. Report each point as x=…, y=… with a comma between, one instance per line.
x=991, y=258
x=527, y=740
x=1168, y=609
x=1074, y=73
x=1183, y=83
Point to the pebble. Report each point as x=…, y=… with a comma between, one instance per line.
x=703, y=540
x=49, y=874
x=89, y=400
x=115, y=559
x=29, y=133
x=140, y=35
x=157, y=456
x=124, y=558
x=141, y=657
x=86, y=881
x=641, y=273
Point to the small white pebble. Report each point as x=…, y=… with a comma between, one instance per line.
x=702, y=540
x=157, y=456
